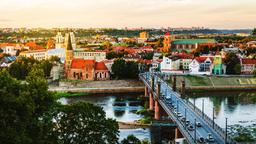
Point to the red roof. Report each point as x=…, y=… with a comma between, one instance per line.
x=81, y=63
x=248, y=61
x=167, y=34
x=201, y=59
x=100, y=66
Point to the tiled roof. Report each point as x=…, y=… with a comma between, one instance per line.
x=100, y=66
x=34, y=46
x=193, y=41
x=248, y=61
x=81, y=63
x=201, y=59
x=167, y=34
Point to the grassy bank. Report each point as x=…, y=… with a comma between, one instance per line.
x=215, y=81
x=68, y=94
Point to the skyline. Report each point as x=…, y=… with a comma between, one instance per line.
x=216, y=14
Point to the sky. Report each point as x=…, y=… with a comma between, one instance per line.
x=220, y=14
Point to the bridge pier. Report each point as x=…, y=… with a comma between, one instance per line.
x=151, y=102
x=182, y=90
x=174, y=83
x=178, y=134
x=157, y=111
x=146, y=91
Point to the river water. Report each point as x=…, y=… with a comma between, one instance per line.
x=238, y=107
x=121, y=107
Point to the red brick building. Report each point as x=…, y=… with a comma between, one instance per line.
x=81, y=69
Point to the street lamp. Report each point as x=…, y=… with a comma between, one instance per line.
x=213, y=109
x=226, y=131
x=177, y=106
x=195, y=131
x=194, y=103
x=203, y=108
x=185, y=114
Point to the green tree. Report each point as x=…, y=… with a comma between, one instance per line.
x=131, y=70
x=123, y=70
x=131, y=139
x=83, y=123
x=232, y=62
x=118, y=68
x=23, y=106
x=254, y=31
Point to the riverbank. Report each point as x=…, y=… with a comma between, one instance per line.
x=215, y=83
x=110, y=86
x=132, y=125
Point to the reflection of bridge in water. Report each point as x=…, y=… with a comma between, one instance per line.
x=164, y=100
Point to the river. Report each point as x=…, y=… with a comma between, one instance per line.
x=121, y=107
x=238, y=107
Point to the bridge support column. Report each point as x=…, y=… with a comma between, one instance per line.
x=151, y=102
x=157, y=111
x=152, y=83
x=158, y=92
x=178, y=134
x=146, y=91
x=174, y=83
x=182, y=91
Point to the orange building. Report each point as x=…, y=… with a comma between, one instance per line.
x=81, y=69
x=167, y=42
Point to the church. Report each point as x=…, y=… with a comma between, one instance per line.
x=82, y=68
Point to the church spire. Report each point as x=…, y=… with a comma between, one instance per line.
x=69, y=44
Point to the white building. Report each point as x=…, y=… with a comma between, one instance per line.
x=166, y=65
x=11, y=50
x=59, y=40
x=98, y=56
x=73, y=40
x=36, y=54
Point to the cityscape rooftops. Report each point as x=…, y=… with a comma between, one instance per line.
x=193, y=41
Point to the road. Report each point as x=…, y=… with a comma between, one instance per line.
x=177, y=106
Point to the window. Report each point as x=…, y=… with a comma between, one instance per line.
x=81, y=75
x=87, y=76
x=74, y=74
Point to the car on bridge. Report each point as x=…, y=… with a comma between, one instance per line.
x=190, y=128
x=201, y=140
x=198, y=124
x=210, y=138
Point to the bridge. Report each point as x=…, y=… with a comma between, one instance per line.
x=192, y=123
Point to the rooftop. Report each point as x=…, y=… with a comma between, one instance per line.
x=193, y=41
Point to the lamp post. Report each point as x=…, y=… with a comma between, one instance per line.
x=177, y=106
x=203, y=108
x=194, y=103
x=226, y=131
x=213, y=109
x=195, y=131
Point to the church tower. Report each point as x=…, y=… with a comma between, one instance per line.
x=69, y=54
x=167, y=42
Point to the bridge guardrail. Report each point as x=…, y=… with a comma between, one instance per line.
x=208, y=120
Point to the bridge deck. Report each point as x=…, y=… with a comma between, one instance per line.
x=176, y=108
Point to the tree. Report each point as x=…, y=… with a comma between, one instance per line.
x=254, y=31
x=131, y=139
x=23, y=106
x=233, y=63
x=84, y=123
x=131, y=70
x=122, y=69
x=118, y=68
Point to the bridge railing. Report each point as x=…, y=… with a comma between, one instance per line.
x=199, y=112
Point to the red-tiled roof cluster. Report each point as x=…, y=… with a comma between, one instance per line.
x=81, y=64
x=33, y=46
x=100, y=66
x=248, y=61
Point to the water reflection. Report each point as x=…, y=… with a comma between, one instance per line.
x=238, y=107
